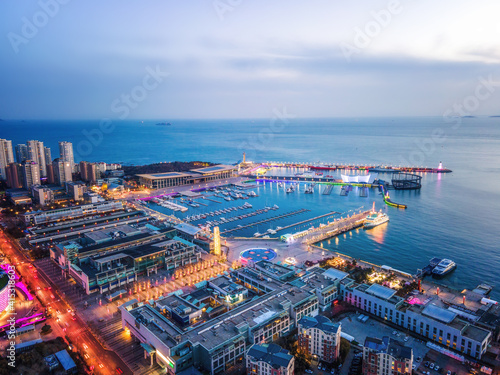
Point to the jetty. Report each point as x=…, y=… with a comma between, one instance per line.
x=291, y=213
x=335, y=228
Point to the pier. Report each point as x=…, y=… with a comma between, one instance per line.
x=302, y=210
x=307, y=221
x=211, y=200
x=334, y=229
x=328, y=190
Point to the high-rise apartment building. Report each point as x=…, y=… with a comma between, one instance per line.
x=31, y=174
x=36, y=153
x=62, y=171
x=66, y=153
x=6, y=157
x=21, y=153
x=48, y=155
x=14, y=176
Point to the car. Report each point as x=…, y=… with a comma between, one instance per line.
x=309, y=371
x=436, y=368
x=85, y=346
x=394, y=332
x=426, y=364
x=38, y=288
x=418, y=359
x=120, y=371
x=69, y=310
x=86, y=356
x=52, y=296
x=431, y=366
x=414, y=366
x=101, y=365
x=58, y=312
x=406, y=338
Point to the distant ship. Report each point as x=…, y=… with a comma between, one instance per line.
x=382, y=169
x=374, y=220
x=444, y=267
x=164, y=123
x=323, y=167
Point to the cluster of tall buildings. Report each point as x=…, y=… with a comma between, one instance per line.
x=33, y=162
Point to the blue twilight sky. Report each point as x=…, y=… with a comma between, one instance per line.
x=243, y=58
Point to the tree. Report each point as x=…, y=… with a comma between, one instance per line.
x=345, y=347
x=46, y=328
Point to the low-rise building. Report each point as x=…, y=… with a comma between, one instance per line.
x=76, y=190
x=42, y=195
x=195, y=176
x=319, y=338
x=50, y=216
x=269, y=359
x=446, y=322
x=386, y=356
x=202, y=329
x=107, y=272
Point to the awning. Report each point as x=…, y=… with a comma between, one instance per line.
x=148, y=348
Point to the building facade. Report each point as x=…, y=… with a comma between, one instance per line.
x=6, y=157
x=269, y=359
x=31, y=174
x=36, y=153
x=62, y=171
x=42, y=195
x=319, y=338
x=432, y=320
x=386, y=356
x=14, y=176
x=66, y=154
x=21, y=153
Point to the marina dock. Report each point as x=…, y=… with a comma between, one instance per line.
x=307, y=221
x=302, y=210
x=328, y=190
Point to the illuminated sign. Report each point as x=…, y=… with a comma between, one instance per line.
x=165, y=359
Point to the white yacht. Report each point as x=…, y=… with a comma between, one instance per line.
x=375, y=219
x=444, y=267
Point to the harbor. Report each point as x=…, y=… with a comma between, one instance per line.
x=357, y=167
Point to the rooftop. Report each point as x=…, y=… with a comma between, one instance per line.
x=272, y=354
x=214, y=169
x=320, y=322
x=157, y=176
x=335, y=274
x=390, y=346
x=381, y=291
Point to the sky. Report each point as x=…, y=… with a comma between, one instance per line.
x=166, y=59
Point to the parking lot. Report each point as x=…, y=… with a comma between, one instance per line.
x=436, y=363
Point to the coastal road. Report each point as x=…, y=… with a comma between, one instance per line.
x=62, y=322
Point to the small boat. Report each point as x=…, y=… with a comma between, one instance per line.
x=256, y=234
x=444, y=267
